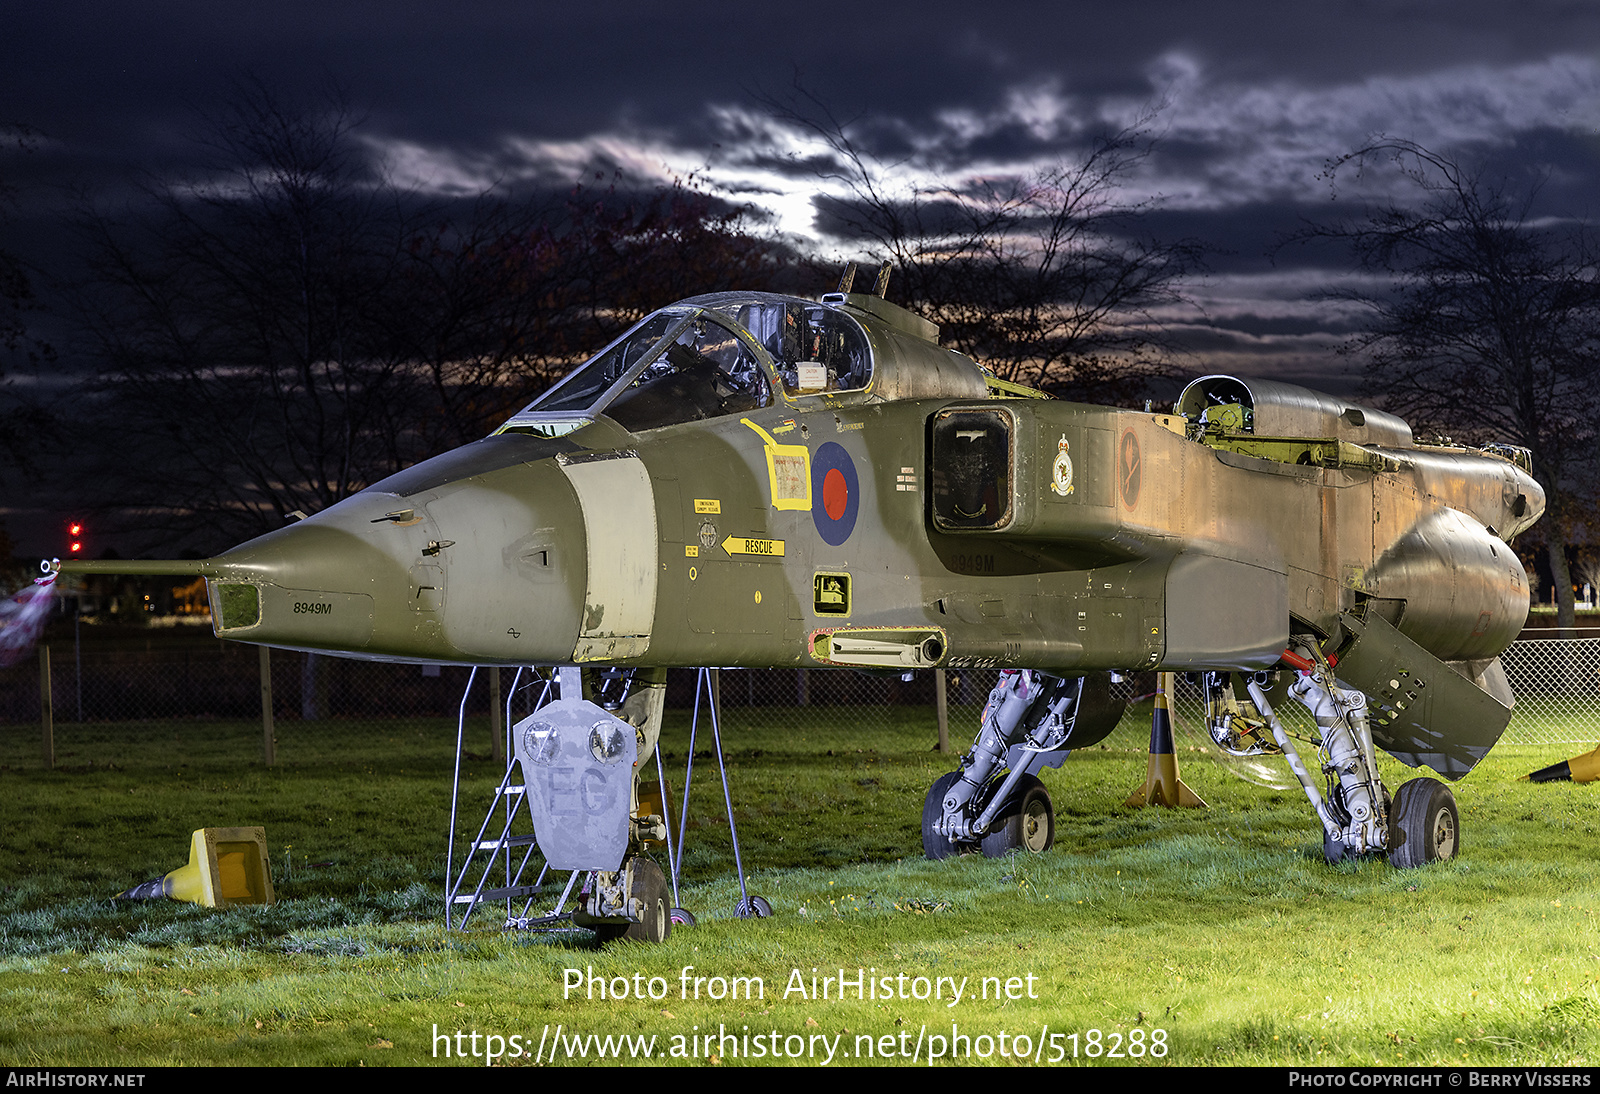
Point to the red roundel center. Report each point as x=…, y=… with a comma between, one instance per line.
x=835, y=494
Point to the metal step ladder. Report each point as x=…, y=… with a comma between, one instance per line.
x=511, y=850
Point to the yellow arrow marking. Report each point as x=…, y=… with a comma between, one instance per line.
x=772, y=548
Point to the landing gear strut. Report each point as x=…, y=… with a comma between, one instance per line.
x=994, y=802
x=1421, y=823
x=646, y=904
x=581, y=760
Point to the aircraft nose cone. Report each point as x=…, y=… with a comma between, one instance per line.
x=463, y=572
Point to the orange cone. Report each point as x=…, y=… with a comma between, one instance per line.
x=1161, y=783
x=1579, y=769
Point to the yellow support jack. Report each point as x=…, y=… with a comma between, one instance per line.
x=1162, y=786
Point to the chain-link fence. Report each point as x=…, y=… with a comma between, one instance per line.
x=213, y=690
x=176, y=701
x=1557, y=685
x=224, y=684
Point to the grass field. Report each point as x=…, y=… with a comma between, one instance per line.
x=1212, y=936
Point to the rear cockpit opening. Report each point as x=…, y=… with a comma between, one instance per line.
x=1230, y=405
x=1218, y=402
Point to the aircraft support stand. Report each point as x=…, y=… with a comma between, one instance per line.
x=628, y=900
x=508, y=799
x=707, y=685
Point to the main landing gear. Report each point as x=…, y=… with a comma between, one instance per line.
x=994, y=802
x=1419, y=825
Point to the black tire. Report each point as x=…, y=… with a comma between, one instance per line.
x=755, y=907
x=935, y=845
x=683, y=917
x=1424, y=825
x=649, y=887
x=1027, y=823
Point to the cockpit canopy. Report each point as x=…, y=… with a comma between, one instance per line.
x=814, y=348
x=707, y=357
x=733, y=352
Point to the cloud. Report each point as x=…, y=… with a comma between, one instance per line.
x=1258, y=143
x=1221, y=144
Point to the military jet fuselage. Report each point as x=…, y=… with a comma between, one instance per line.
x=906, y=514
x=755, y=480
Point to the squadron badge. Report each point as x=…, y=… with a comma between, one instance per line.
x=1061, y=470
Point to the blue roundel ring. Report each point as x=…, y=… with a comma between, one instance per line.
x=835, y=493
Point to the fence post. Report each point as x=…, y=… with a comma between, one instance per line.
x=314, y=686
x=942, y=706
x=77, y=650
x=269, y=748
x=46, y=710
x=496, y=731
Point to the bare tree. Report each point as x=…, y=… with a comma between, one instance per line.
x=505, y=299
x=286, y=326
x=20, y=420
x=1049, y=279
x=1489, y=325
x=242, y=322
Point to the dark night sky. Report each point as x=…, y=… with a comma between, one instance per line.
x=1257, y=96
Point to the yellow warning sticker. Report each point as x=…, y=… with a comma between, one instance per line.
x=691, y=550
x=830, y=593
x=707, y=505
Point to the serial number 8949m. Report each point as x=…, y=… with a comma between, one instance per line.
x=301, y=607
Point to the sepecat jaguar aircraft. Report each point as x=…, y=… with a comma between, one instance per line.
x=748, y=479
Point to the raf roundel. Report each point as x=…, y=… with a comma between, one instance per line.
x=835, y=493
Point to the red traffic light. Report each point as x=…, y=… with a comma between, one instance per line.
x=74, y=542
